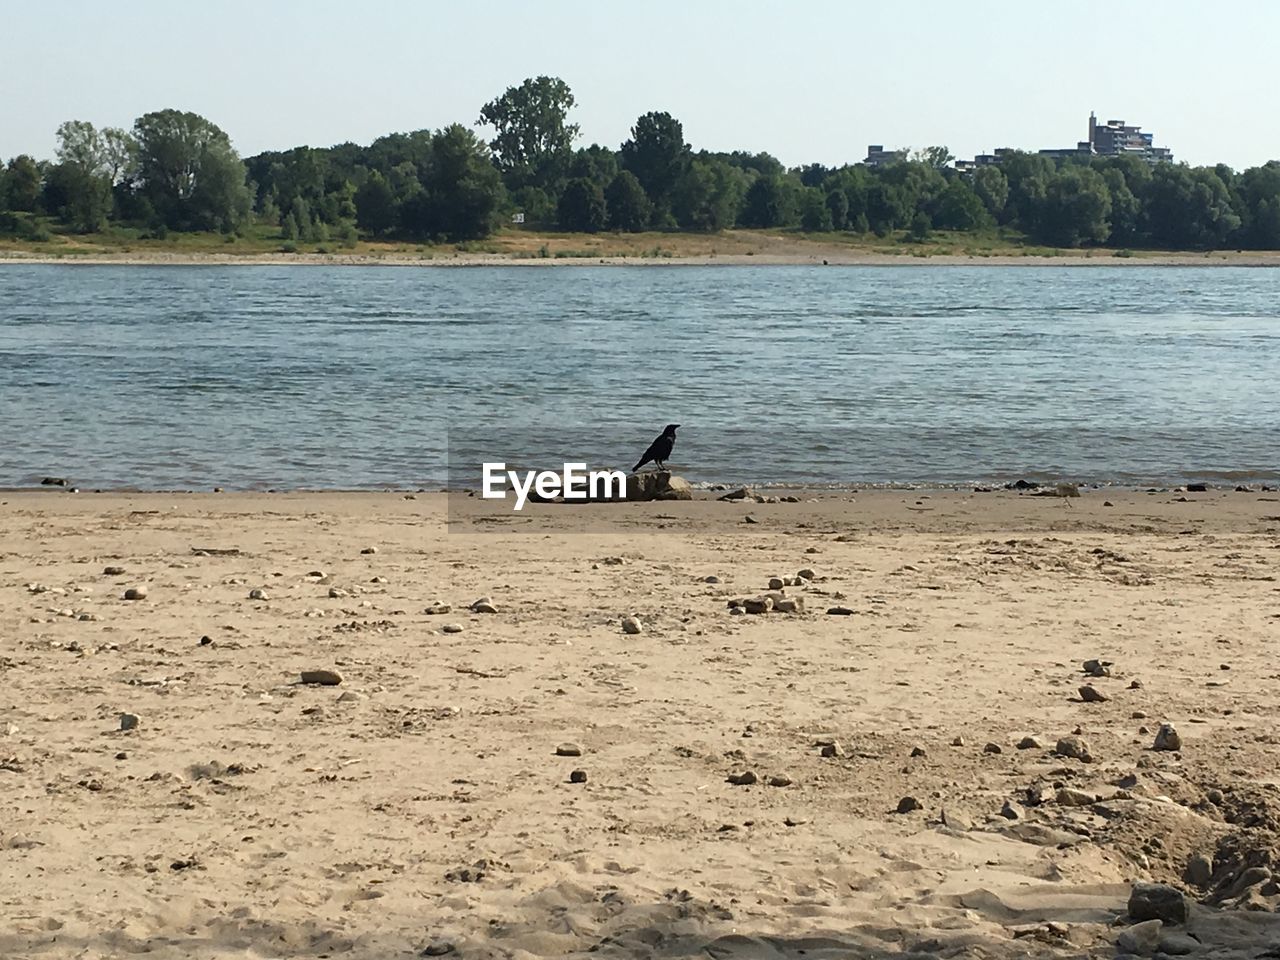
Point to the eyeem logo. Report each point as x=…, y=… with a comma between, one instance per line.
x=574, y=482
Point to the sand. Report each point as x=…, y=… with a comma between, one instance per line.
x=420, y=805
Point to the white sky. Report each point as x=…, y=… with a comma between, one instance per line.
x=809, y=81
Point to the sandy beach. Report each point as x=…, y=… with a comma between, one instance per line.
x=424, y=804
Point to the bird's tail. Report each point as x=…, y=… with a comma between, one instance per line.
x=637, y=467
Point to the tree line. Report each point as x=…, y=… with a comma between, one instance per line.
x=177, y=171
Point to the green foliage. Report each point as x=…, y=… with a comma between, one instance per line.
x=959, y=208
x=920, y=227
x=707, y=195
x=536, y=205
x=815, y=215
x=1076, y=208
x=771, y=201
x=992, y=188
x=837, y=202
x=628, y=206
x=189, y=172
x=22, y=226
x=375, y=205
x=534, y=142
x=582, y=206
x=939, y=158
x=1189, y=208
x=22, y=184
x=656, y=154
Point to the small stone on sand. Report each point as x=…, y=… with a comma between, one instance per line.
x=1167, y=738
x=129, y=721
x=452, y=628
x=568, y=750
x=1091, y=695
x=631, y=625
x=1074, y=748
x=324, y=678
x=578, y=776
x=112, y=571
x=744, y=779
x=136, y=593
x=909, y=805
x=258, y=594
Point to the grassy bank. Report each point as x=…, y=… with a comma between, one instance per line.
x=520, y=244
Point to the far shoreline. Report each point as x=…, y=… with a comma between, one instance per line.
x=471, y=260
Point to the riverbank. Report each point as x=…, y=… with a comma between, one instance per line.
x=427, y=801
x=523, y=248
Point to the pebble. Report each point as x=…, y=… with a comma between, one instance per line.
x=436, y=609
x=1135, y=684
x=136, y=593
x=780, y=780
x=631, y=625
x=749, y=519
x=87, y=617
x=832, y=749
x=1199, y=871
x=452, y=628
x=206, y=640
x=129, y=721
x=1141, y=938
x=369, y=550
x=1030, y=743
x=483, y=605
x=438, y=948
x=776, y=583
x=919, y=752
x=1091, y=695
x=1076, y=748
x=957, y=742
x=710, y=579
x=112, y=571
x=758, y=604
x=1098, y=668
x=1011, y=811
x=909, y=805
x=578, y=776
x=325, y=678
x=807, y=573
x=993, y=748
x=744, y=779
x=839, y=612
x=1157, y=901
x=568, y=750
x=1178, y=944
x=789, y=605
x=258, y=594
x=336, y=593
x=352, y=696
x=1167, y=738
x=1070, y=797
x=384, y=580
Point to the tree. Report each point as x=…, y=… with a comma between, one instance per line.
x=771, y=201
x=82, y=180
x=992, y=188
x=22, y=184
x=376, y=206
x=582, y=206
x=708, y=194
x=938, y=158
x=920, y=227
x=534, y=142
x=656, y=154
x=815, y=215
x=1075, y=209
x=838, y=206
x=189, y=172
x=628, y=206
x=959, y=208
x=596, y=163
x=460, y=192
x=1188, y=208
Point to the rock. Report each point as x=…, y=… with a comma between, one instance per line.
x=336, y=593
x=919, y=752
x=657, y=485
x=1075, y=748
x=789, y=605
x=808, y=573
x=112, y=571
x=568, y=750
x=352, y=696
x=631, y=625
x=742, y=493
x=324, y=678
x=1197, y=488
x=206, y=640
x=1011, y=811
x=780, y=780
x=436, y=609
x=136, y=593
x=993, y=748
x=438, y=947
x=776, y=583
x=744, y=779
x=711, y=579
x=1178, y=944
x=957, y=741
x=758, y=605
x=831, y=749
x=258, y=594
x=909, y=805
x=1167, y=738
x=839, y=612
x=53, y=482
x=1135, y=684
x=483, y=605
x=1091, y=695
x=452, y=628
x=578, y=776
x=1142, y=939
x=1199, y=871
x=1031, y=743
x=385, y=580
x=1070, y=797
x=1098, y=668
x=749, y=519
x=736, y=610
x=129, y=721
x=1157, y=901
x=369, y=550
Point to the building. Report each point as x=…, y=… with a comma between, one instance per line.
x=1082, y=149
x=1115, y=138
x=878, y=156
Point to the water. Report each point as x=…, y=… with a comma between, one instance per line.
x=251, y=377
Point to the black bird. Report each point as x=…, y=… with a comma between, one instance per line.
x=660, y=449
